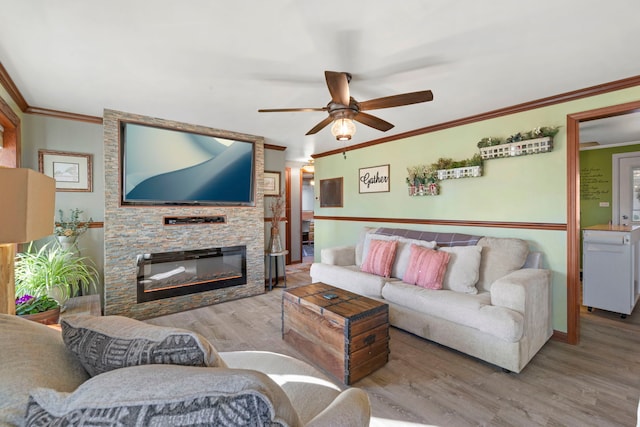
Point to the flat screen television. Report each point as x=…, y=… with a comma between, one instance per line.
x=162, y=166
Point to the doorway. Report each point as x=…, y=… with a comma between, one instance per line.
x=626, y=188
x=573, y=207
x=307, y=225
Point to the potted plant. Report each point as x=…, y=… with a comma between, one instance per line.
x=42, y=309
x=449, y=168
x=67, y=231
x=538, y=140
x=422, y=180
x=54, y=272
x=277, y=211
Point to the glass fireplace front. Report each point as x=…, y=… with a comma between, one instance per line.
x=171, y=274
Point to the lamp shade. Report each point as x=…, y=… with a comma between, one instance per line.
x=343, y=129
x=28, y=205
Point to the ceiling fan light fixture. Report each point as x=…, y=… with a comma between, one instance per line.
x=343, y=129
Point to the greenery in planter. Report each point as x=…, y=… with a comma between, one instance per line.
x=53, y=271
x=71, y=227
x=421, y=174
x=28, y=304
x=539, y=132
x=446, y=163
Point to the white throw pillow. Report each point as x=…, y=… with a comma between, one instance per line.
x=500, y=256
x=360, y=245
x=463, y=270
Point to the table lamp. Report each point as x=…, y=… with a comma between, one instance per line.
x=27, y=213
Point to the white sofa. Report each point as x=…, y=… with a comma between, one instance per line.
x=495, y=303
x=131, y=373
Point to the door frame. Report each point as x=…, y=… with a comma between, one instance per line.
x=573, y=207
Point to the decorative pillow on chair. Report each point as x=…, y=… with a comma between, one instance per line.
x=166, y=395
x=380, y=257
x=32, y=355
x=426, y=267
x=104, y=343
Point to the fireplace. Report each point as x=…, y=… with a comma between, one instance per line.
x=132, y=231
x=170, y=274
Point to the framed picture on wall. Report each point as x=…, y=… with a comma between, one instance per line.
x=271, y=183
x=72, y=171
x=331, y=193
x=374, y=179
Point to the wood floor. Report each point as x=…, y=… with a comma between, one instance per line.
x=595, y=383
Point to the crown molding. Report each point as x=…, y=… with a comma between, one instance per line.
x=7, y=82
x=63, y=115
x=274, y=147
x=10, y=86
x=518, y=108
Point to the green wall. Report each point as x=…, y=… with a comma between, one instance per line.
x=596, y=184
x=520, y=189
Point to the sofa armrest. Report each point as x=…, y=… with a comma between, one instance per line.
x=351, y=408
x=527, y=291
x=339, y=255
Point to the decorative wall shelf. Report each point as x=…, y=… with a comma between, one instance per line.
x=519, y=148
x=465, y=172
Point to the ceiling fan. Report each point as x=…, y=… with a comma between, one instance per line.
x=343, y=109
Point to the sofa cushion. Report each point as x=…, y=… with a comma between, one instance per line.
x=350, y=278
x=168, y=395
x=426, y=267
x=474, y=311
x=32, y=355
x=369, y=237
x=403, y=254
x=463, y=269
x=380, y=257
x=103, y=343
x=500, y=256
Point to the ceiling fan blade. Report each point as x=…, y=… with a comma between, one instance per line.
x=372, y=121
x=397, y=100
x=289, y=110
x=338, y=85
x=320, y=125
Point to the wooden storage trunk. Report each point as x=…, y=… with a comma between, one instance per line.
x=348, y=336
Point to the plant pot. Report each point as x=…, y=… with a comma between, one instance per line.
x=69, y=243
x=48, y=317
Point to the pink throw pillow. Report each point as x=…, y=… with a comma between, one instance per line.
x=380, y=257
x=426, y=267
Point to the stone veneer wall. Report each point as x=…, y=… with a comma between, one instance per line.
x=129, y=231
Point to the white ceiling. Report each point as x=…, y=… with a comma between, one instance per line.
x=618, y=130
x=214, y=63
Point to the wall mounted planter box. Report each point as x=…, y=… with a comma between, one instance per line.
x=466, y=172
x=432, y=189
x=520, y=148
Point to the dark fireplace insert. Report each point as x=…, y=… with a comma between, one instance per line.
x=171, y=274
